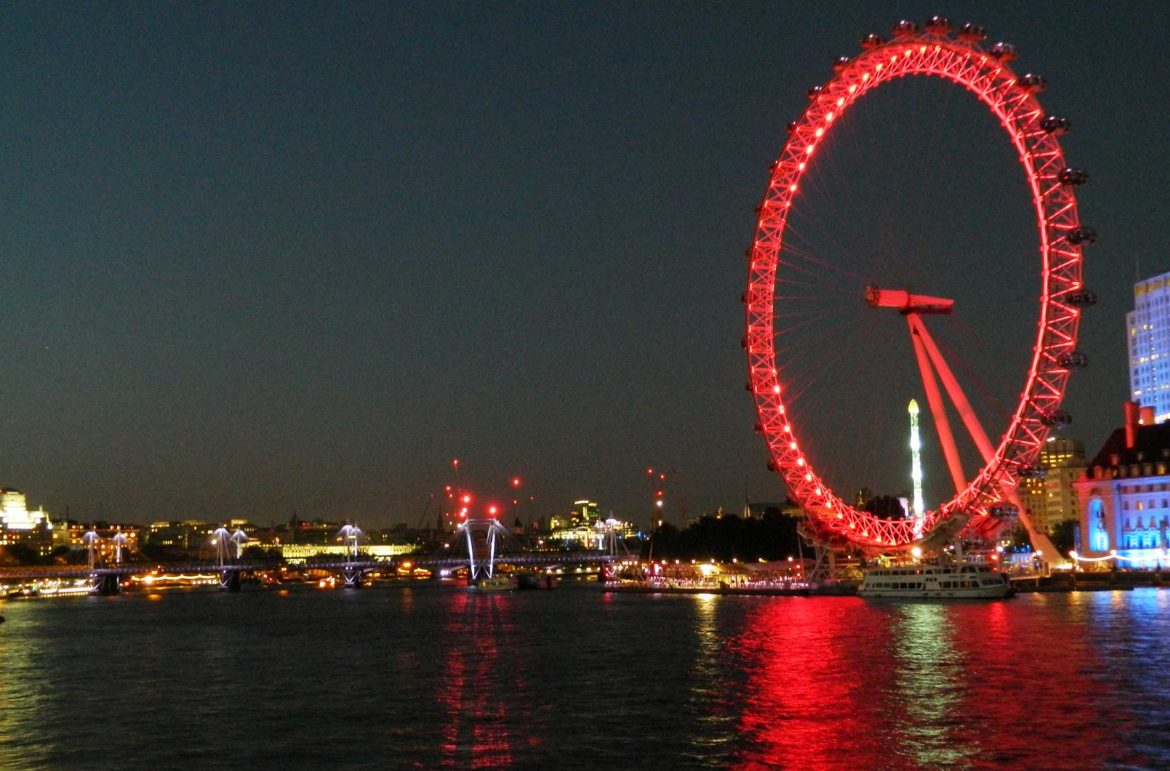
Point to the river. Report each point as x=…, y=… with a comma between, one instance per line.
x=431, y=676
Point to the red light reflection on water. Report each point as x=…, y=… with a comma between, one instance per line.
x=839, y=683
x=481, y=688
x=806, y=700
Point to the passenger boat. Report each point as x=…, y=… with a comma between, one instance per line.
x=972, y=582
x=497, y=583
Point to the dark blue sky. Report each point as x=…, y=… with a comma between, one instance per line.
x=272, y=257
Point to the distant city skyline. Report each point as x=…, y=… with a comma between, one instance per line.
x=273, y=259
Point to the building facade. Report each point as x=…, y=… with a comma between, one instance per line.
x=1053, y=499
x=1124, y=494
x=19, y=525
x=1148, y=333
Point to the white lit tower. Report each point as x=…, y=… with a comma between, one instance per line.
x=918, y=508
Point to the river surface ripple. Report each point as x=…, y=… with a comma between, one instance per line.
x=432, y=676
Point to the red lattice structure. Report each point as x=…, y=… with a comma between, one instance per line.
x=962, y=59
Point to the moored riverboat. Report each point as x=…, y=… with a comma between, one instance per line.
x=496, y=583
x=973, y=582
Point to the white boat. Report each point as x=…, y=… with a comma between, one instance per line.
x=959, y=582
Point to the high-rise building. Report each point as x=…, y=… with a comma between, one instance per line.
x=1053, y=499
x=1148, y=326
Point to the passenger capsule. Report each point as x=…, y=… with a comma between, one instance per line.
x=841, y=63
x=1073, y=176
x=1002, y=510
x=1056, y=419
x=904, y=28
x=1055, y=125
x=791, y=127
x=938, y=25
x=974, y=33
x=743, y=343
x=772, y=466
x=1004, y=52
x=815, y=91
x=872, y=41
x=1031, y=472
x=1073, y=360
x=748, y=387
x=1032, y=82
x=1082, y=235
x=1082, y=299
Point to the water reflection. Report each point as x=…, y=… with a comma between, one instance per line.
x=21, y=692
x=928, y=678
x=842, y=683
x=481, y=691
x=815, y=667
x=438, y=677
x=710, y=685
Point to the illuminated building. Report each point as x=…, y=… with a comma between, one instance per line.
x=299, y=553
x=1148, y=326
x=112, y=539
x=584, y=512
x=1124, y=494
x=1052, y=499
x=584, y=527
x=19, y=525
x=185, y=535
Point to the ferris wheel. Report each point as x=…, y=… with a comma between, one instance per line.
x=981, y=501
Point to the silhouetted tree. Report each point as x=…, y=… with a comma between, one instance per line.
x=728, y=537
x=1063, y=535
x=885, y=507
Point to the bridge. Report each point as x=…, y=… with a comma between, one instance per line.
x=484, y=540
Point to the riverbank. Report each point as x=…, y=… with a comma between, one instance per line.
x=1059, y=583
x=1122, y=580
x=790, y=590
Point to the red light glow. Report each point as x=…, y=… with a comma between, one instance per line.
x=967, y=64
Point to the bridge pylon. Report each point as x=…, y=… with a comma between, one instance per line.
x=350, y=534
x=484, y=538
x=105, y=584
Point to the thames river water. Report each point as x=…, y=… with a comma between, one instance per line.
x=431, y=676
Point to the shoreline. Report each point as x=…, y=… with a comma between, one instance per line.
x=1057, y=584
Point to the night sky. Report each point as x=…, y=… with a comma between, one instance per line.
x=266, y=258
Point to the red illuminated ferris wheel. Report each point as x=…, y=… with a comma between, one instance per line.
x=988, y=495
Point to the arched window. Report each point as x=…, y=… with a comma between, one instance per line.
x=1098, y=537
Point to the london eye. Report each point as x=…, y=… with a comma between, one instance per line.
x=977, y=501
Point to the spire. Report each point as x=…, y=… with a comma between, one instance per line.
x=918, y=508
